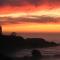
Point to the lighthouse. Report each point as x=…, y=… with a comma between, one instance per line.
x=0, y=30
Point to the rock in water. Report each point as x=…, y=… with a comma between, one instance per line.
x=36, y=53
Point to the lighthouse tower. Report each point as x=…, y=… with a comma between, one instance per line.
x=0, y=30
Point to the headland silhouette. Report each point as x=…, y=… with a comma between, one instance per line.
x=10, y=43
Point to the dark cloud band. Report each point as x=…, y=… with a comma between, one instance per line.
x=37, y=19
x=36, y=2
x=11, y=2
x=23, y=2
x=20, y=2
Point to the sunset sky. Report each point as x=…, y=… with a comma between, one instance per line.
x=30, y=16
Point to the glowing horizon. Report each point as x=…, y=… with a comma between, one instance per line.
x=32, y=27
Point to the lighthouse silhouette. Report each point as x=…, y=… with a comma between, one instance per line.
x=0, y=30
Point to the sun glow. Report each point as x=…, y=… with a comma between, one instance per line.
x=53, y=13
x=13, y=15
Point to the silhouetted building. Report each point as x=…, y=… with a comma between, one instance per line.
x=0, y=30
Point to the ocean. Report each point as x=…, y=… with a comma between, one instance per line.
x=50, y=53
